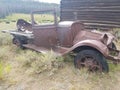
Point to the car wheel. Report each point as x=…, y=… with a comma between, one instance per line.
x=18, y=42
x=93, y=60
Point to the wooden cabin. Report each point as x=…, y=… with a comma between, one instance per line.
x=93, y=13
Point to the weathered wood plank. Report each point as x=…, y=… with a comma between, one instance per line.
x=102, y=12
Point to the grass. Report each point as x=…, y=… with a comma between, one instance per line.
x=30, y=70
x=27, y=17
x=9, y=23
x=10, y=26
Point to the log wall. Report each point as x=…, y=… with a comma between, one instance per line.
x=94, y=13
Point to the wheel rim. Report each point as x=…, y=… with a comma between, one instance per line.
x=90, y=63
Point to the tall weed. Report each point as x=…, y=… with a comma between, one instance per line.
x=39, y=62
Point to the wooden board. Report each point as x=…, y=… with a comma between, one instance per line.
x=105, y=12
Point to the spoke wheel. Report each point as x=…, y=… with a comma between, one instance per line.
x=90, y=63
x=92, y=60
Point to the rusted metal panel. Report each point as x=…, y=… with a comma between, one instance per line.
x=46, y=37
x=68, y=31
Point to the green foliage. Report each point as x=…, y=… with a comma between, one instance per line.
x=39, y=62
x=4, y=69
x=114, y=67
x=68, y=58
x=1, y=70
x=116, y=32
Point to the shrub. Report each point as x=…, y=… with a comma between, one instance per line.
x=13, y=20
x=39, y=62
x=7, y=22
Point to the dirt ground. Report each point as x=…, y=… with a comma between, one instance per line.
x=66, y=78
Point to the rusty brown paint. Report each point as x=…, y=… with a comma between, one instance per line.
x=64, y=37
x=46, y=37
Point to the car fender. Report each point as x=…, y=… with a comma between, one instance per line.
x=91, y=43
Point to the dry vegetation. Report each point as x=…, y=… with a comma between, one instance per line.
x=29, y=70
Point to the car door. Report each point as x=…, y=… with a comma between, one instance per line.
x=45, y=36
x=45, y=33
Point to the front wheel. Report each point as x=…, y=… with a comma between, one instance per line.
x=93, y=60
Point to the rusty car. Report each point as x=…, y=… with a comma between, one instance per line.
x=91, y=48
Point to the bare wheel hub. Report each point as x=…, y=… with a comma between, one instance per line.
x=16, y=42
x=90, y=63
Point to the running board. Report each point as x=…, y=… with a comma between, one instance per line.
x=36, y=48
x=59, y=51
x=40, y=49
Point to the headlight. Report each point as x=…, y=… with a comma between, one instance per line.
x=105, y=39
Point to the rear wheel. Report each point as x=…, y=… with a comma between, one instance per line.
x=18, y=42
x=93, y=60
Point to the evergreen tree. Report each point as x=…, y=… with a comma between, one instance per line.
x=8, y=7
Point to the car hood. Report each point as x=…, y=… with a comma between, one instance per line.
x=106, y=37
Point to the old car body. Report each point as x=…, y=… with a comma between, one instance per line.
x=69, y=36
